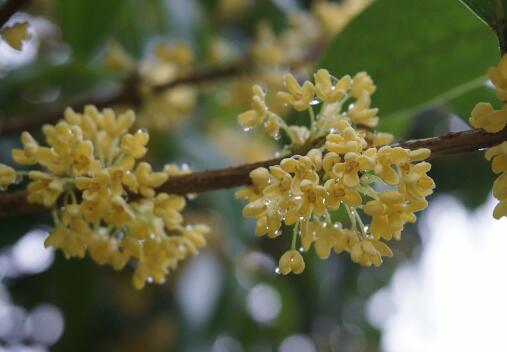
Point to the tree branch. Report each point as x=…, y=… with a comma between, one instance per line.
x=14, y=203
x=10, y=8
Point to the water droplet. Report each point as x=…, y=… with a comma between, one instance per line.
x=277, y=154
x=152, y=236
x=301, y=249
x=333, y=131
x=191, y=196
x=278, y=232
x=278, y=271
x=142, y=130
x=277, y=136
x=246, y=129
x=18, y=179
x=149, y=280
x=314, y=102
x=301, y=218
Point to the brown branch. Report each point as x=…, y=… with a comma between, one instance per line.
x=15, y=203
x=10, y=8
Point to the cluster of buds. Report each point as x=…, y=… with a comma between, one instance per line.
x=354, y=170
x=103, y=199
x=490, y=120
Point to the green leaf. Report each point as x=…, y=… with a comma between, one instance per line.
x=414, y=50
x=86, y=24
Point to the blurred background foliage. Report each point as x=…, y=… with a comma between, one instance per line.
x=428, y=59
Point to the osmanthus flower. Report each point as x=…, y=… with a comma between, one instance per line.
x=300, y=97
x=490, y=120
x=104, y=200
x=16, y=34
x=390, y=212
x=7, y=176
x=340, y=173
x=329, y=91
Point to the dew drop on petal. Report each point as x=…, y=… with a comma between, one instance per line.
x=278, y=271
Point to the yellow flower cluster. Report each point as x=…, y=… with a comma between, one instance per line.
x=352, y=93
x=486, y=117
x=103, y=198
x=352, y=171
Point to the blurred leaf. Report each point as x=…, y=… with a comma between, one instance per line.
x=85, y=24
x=415, y=52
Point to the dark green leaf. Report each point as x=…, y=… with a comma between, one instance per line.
x=415, y=51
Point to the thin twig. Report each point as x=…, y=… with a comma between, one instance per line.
x=14, y=203
x=10, y=8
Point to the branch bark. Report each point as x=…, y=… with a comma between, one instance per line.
x=14, y=203
x=10, y=8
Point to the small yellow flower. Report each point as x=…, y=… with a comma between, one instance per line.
x=169, y=208
x=7, y=176
x=350, y=168
x=148, y=180
x=84, y=162
x=386, y=159
x=259, y=111
x=360, y=112
x=135, y=145
x=498, y=154
x=490, y=120
x=16, y=34
x=300, y=97
x=346, y=241
x=291, y=261
x=44, y=189
x=414, y=181
x=313, y=199
x=368, y=252
x=362, y=82
x=337, y=193
x=326, y=239
x=346, y=141
x=389, y=214
x=260, y=179
x=326, y=90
